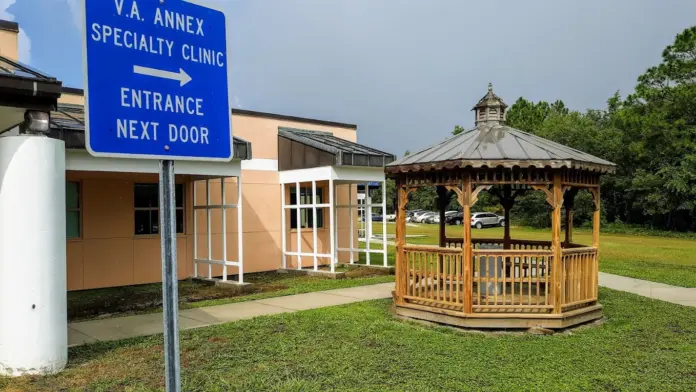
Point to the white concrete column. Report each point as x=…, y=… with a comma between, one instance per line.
x=195, y=231
x=33, y=292
x=384, y=222
x=298, y=219
x=368, y=222
x=332, y=223
x=314, y=225
x=283, y=230
x=223, y=211
x=352, y=221
x=208, y=232
x=240, y=232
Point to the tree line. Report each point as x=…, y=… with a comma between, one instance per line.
x=650, y=135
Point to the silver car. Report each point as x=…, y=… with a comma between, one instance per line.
x=481, y=219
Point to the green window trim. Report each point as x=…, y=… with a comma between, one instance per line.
x=73, y=210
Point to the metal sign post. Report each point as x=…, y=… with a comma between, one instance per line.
x=170, y=297
x=156, y=87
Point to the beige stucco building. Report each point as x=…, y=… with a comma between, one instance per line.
x=112, y=233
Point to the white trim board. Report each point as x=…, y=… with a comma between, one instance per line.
x=340, y=174
x=83, y=161
x=260, y=164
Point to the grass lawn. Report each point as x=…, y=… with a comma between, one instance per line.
x=120, y=301
x=644, y=345
x=659, y=259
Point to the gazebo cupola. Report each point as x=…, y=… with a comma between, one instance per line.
x=490, y=109
x=499, y=282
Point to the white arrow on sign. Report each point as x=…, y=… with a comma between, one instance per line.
x=181, y=76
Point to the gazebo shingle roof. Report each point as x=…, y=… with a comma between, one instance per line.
x=493, y=145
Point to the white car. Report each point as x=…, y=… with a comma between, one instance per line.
x=427, y=216
x=418, y=215
x=481, y=219
x=391, y=217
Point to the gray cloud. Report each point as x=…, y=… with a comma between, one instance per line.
x=407, y=71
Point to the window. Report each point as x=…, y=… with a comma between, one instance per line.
x=306, y=214
x=147, y=208
x=72, y=208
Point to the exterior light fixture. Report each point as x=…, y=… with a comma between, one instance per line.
x=36, y=121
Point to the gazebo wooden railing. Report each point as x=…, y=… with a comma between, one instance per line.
x=500, y=281
x=505, y=282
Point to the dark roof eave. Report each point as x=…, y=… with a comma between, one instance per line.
x=19, y=91
x=506, y=163
x=9, y=25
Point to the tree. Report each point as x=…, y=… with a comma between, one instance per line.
x=457, y=130
x=660, y=122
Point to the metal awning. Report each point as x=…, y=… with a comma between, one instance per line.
x=303, y=149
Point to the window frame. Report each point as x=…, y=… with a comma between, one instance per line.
x=307, y=214
x=77, y=209
x=177, y=208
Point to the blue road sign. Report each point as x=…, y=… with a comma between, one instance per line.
x=156, y=80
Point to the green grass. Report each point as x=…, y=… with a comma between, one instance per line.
x=644, y=345
x=658, y=259
x=120, y=301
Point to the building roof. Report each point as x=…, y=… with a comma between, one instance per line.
x=9, y=25
x=24, y=86
x=346, y=153
x=493, y=145
x=16, y=69
x=68, y=124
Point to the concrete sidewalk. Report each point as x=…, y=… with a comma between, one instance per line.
x=151, y=324
x=664, y=292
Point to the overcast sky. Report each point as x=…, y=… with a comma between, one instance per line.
x=404, y=71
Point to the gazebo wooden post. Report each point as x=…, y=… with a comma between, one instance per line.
x=595, y=218
x=442, y=205
x=507, y=206
x=595, y=235
x=569, y=203
x=557, y=267
x=467, y=260
x=401, y=267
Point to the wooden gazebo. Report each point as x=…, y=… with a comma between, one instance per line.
x=506, y=282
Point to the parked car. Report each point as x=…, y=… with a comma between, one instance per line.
x=410, y=215
x=417, y=217
x=455, y=219
x=391, y=217
x=422, y=217
x=481, y=219
x=432, y=218
x=376, y=218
